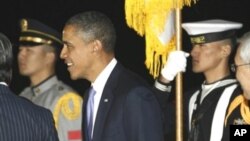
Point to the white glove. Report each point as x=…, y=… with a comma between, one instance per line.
x=177, y=62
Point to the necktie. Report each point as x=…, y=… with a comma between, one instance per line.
x=90, y=112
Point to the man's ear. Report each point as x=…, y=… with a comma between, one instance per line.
x=97, y=46
x=226, y=50
x=50, y=57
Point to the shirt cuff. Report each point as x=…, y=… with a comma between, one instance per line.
x=163, y=87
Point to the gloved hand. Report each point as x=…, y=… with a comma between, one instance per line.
x=177, y=62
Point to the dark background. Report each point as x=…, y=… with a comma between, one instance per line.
x=130, y=48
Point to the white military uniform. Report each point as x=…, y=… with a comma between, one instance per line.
x=64, y=103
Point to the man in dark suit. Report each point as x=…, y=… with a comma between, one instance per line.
x=120, y=106
x=20, y=120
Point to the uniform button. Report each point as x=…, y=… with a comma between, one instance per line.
x=60, y=88
x=37, y=90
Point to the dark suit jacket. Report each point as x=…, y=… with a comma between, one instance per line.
x=21, y=120
x=128, y=110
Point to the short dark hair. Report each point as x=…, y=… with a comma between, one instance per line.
x=6, y=58
x=94, y=25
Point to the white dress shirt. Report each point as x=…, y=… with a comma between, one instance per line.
x=99, y=84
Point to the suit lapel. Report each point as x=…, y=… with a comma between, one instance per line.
x=105, y=103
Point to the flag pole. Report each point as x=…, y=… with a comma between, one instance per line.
x=179, y=80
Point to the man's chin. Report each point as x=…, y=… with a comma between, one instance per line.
x=24, y=73
x=247, y=96
x=196, y=70
x=73, y=77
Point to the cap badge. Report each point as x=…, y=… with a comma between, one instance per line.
x=198, y=40
x=24, y=24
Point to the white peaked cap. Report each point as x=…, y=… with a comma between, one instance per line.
x=211, y=30
x=210, y=26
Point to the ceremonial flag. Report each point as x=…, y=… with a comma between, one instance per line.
x=154, y=19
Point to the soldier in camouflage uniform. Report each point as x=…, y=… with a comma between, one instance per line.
x=38, y=52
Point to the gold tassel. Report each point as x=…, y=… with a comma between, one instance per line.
x=148, y=18
x=135, y=18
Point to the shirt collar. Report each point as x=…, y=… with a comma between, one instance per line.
x=45, y=85
x=3, y=83
x=102, y=78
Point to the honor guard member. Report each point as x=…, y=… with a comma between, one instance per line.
x=38, y=51
x=214, y=42
x=238, y=112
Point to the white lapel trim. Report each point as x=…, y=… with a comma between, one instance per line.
x=191, y=107
x=219, y=114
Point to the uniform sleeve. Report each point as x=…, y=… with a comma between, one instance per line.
x=165, y=97
x=67, y=115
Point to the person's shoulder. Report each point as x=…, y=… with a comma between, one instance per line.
x=127, y=82
x=132, y=78
x=191, y=91
x=24, y=108
x=25, y=91
x=131, y=82
x=65, y=90
x=67, y=95
x=27, y=103
x=30, y=108
x=69, y=102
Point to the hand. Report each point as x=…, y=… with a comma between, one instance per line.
x=177, y=62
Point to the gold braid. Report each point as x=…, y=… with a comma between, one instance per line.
x=63, y=105
x=245, y=112
x=244, y=108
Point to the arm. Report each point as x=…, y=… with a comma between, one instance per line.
x=67, y=114
x=177, y=62
x=142, y=118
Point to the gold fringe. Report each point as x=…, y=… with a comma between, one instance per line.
x=148, y=18
x=135, y=17
x=156, y=53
